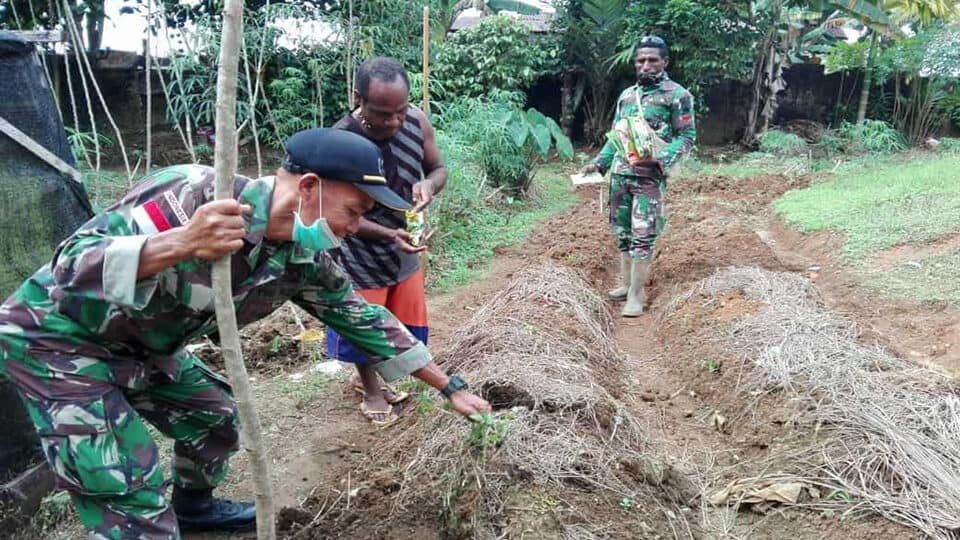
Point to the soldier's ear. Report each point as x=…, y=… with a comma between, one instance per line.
x=308, y=184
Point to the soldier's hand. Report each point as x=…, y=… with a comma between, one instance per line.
x=403, y=239
x=217, y=229
x=468, y=404
x=589, y=168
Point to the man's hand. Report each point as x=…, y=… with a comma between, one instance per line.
x=216, y=229
x=403, y=238
x=589, y=168
x=423, y=193
x=468, y=404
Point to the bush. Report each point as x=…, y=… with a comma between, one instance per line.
x=506, y=142
x=497, y=54
x=951, y=104
x=831, y=144
x=874, y=136
x=949, y=144
x=781, y=144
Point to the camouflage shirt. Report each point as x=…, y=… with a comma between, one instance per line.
x=87, y=302
x=668, y=108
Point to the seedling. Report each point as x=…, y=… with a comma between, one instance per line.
x=488, y=431
x=712, y=365
x=626, y=503
x=839, y=493
x=275, y=345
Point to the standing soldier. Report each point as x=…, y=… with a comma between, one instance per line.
x=94, y=340
x=637, y=185
x=381, y=258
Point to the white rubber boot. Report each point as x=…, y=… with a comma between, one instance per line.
x=620, y=292
x=635, y=294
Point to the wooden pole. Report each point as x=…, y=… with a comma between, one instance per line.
x=225, y=165
x=426, y=98
x=426, y=60
x=149, y=88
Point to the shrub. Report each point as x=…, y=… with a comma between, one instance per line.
x=506, y=142
x=874, y=136
x=781, y=143
x=497, y=54
x=949, y=144
x=831, y=144
x=951, y=104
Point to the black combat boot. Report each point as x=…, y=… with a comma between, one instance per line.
x=199, y=510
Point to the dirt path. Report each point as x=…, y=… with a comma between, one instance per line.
x=684, y=390
x=717, y=222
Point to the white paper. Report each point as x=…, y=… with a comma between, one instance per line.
x=590, y=178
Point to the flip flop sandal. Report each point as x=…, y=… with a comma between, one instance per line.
x=398, y=396
x=371, y=414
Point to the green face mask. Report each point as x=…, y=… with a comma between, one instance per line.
x=316, y=237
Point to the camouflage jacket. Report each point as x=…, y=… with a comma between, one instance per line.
x=668, y=108
x=87, y=301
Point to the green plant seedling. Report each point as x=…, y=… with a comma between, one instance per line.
x=712, y=365
x=488, y=431
x=626, y=503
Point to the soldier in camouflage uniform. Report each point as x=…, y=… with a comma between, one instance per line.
x=637, y=189
x=94, y=340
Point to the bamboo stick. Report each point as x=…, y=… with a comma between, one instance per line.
x=426, y=60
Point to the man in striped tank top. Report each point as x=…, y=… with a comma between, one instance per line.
x=385, y=266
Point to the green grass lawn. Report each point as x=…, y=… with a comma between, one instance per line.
x=880, y=206
x=879, y=203
x=932, y=279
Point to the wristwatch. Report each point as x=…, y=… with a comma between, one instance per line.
x=456, y=384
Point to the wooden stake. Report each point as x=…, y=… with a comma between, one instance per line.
x=225, y=165
x=149, y=89
x=426, y=60
x=426, y=97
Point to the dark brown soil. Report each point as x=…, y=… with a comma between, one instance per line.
x=678, y=378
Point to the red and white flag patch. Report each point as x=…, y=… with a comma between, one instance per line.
x=152, y=217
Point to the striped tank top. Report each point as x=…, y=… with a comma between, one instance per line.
x=374, y=264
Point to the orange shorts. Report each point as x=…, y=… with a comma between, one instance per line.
x=407, y=301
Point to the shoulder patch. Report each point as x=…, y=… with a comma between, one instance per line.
x=156, y=216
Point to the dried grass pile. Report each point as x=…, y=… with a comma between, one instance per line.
x=890, y=431
x=559, y=445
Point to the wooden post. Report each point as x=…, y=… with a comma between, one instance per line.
x=149, y=88
x=225, y=165
x=426, y=60
x=426, y=97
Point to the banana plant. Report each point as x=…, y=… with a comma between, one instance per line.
x=887, y=17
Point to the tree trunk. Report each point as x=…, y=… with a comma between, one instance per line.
x=571, y=94
x=95, y=18
x=225, y=164
x=750, y=127
x=868, y=78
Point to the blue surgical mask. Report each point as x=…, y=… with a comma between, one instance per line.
x=316, y=237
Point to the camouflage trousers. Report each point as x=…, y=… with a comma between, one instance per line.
x=90, y=418
x=636, y=213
